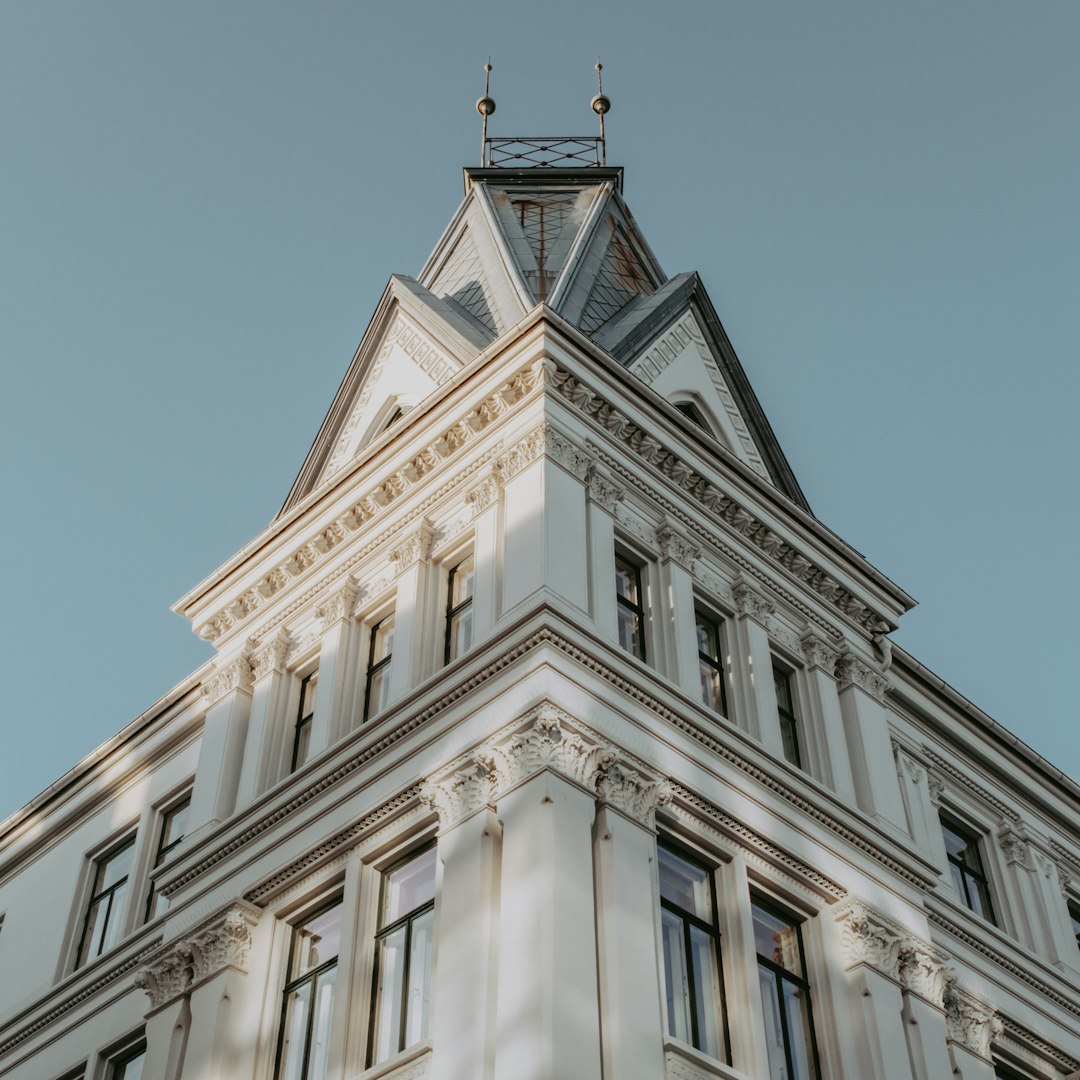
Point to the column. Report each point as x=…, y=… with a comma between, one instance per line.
x=758, y=692
x=264, y=748
x=971, y=1025
x=335, y=702
x=165, y=978
x=677, y=555
x=465, y=968
x=823, y=712
x=221, y=752
x=603, y=497
x=624, y=844
x=862, y=698
x=925, y=826
x=872, y=957
x=922, y=975
x=1053, y=883
x=546, y=1017
x=413, y=612
x=1023, y=898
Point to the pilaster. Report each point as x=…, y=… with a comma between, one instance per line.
x=264, y=744
x=677, y=556
x=971, y=1024
x=602, y=497
x=755, y=657
x=823, y=707
x=335, y=700
x=414, y=610
x=922, y=975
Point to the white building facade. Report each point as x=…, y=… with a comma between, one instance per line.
x=549, y=736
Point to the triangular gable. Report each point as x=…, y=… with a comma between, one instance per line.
x=674, y=342
x=414, y=343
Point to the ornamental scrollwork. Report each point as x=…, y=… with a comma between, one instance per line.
x=633, y=794
x=869, y=938
x=851, y=671
x=970, y=1021
x=236, y=675
x=750, y=602
x=675, y=546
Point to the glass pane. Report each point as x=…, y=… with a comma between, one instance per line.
x=132, y=1069
x=783, y=690
x=685, y=884
x=320, y=1028
x=789, y=735
x=114, y=917
x=955, y=844
x=408, y=887
x=419, y=1004
x=175, y=825
x=461, y=582
x=317, y=941
x=798, y=1021
x=294, y=1034
x=706, y=977
x=627, y=581
x=676, y=977
x=774, y=1031
x=708, y=639
x=629, y=630
x=461, y=633
x=711, y=692
x=300, y=747
x=958, y=882
x=777, y=940
x=114, y=867
x=379, y=690
x=391, y=961
x=94, y=932
x=307, y=694
x=979, y=896
x=384, y=640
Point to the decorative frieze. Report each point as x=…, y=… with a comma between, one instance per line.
x=235, y=675
x=270, y=657
x=851, y=671
x=970, y=1020
x=675, y=546
x=602, y=491
x=922, y=970
x=869, y=938
x=417, y=548
x=633, y=794
x=818, y=653
x=458, y=792
x=748, y=601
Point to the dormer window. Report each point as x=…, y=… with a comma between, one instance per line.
x=693, y=414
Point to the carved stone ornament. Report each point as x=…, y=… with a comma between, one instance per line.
x=678, y=1067
x=543, y=441
x=818, y=653
x=167, y=976
x=909, y=765
x=750, y=602
x=546, y=744
x=270, y=657
x=851, y=671
x=1015, y=848
x=675, y=546
x=222, y=942
x=634, y=795
x=483, y=495
x=935, y=786
x=339, y=606
x=970, y=1021
x=869, y=938
x=602, y=491
x=416, y=549
x=236, y=675
x=922, y=970
x=459, y=792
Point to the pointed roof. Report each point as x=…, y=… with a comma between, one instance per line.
x=565, y=238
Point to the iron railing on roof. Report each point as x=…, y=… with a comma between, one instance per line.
x=557, y=152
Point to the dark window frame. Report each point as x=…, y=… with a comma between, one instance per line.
x=124, y=1058
x=788, y=715
x=1073, y=908
x=636, y=567
x=455, y=611
x=781, y=974
x=690, y=919
x=374, y=667
x=703, y=615
x=108, y=894
x=382, y=932
x=970, y=873
x=292, y=985
x=303, y=720
x=165, y=850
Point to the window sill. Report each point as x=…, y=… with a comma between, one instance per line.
x=682, y=1062
x=411, y=1064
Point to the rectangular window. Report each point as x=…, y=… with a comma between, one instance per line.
x=631, y=613
x=785, y=994
x=402, y=999
x=1074, y=916
x=309, y=996
x=380, y=653
x=305, y=713
x=789, y=722
x=128, y=1065
x=459, y=616
x=693, y=980
x=965, y=864
x=173, y=827
x=711, y=663
x=108, y=902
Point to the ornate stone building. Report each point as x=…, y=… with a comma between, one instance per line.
x=548, y=736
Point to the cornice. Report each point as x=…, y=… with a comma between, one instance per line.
x=386, y=491
x=965, y=781
x=1034, y=1044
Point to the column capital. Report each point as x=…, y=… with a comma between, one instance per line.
x=870, y=938
x=603, y=491
x=417, y=548
x=922, y=970
x=484, y=494
x=818, y=653
x=1015, y=846
x=749, y=601
x=270, y=656
x=633, y=794
x=971, y=1021
x=677, y=548
x=234, y=675
x=167, y=975
x=456, y=793
x=853, y=672
x=222, y=941
x=337, y=606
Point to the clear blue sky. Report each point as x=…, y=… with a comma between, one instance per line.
x=200, y=204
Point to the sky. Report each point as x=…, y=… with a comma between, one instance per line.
x=200, y=206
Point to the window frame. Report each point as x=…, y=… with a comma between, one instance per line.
x=973, y=838
x=779, y=973
x=689, y=920
x=304, y=721
x=1072, y=911
x=163, y=850
x=704, y=614
x=127, y=840
x=639, y=568
x=453, y=612
x=122, y=1058
x=376, y=667
x=789, y=719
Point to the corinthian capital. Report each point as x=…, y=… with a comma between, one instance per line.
x=235, y=675
x=416, y=549
x=970, y=1020
x=602, y=491
x=675, y=546
x=750, y=602
x=458, y=792
x=922, y=970
x=631, y=793
x=869, y=938
x=818, y=653
x=166, y=975
x=853, y=672
x=270, y=656
x=338, y=606
x=222, y=941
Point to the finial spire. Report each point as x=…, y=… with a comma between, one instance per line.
x=601, y=104
x=485, y=106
